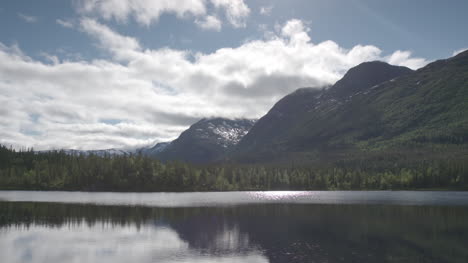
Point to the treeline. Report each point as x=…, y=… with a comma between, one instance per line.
x=57, y=170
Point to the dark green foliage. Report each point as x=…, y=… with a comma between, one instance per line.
x=29, y=170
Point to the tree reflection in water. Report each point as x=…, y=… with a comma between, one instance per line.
x=40, y=232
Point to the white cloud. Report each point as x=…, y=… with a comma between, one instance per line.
x=121, y=46
x=456, y=52
x=64, y=23
x=403, y=58
x=210, y=23
x=146, y=12
x=152, y=95
x=296, y=31
x=266, y=10
x=27, y=18
x=236, y=11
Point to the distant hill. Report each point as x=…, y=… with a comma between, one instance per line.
x=375, y=107
x=104, y=152
x=206, y=141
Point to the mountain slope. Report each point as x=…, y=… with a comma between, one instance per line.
x=307, y=117
x=428, y=106
x=375, y=107
x=151, y=151
x=206, y=141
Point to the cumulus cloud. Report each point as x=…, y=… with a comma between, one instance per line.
x=142, y=95
x=210, y=23
x=146, y=12
x=27, y=18
x=296, y=31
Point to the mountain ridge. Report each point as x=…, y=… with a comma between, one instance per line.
x=288, y=114
x=357, y=115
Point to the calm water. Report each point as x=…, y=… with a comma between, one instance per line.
x=234, y=227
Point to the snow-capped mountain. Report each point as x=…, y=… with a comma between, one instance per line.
x=207, y=140
x=224, y=132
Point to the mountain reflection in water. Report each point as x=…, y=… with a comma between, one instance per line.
x=48, y=232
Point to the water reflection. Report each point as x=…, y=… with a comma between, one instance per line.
x=93, y=243
x=46, y=232
x=108, y=243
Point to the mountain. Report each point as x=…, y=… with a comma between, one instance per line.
x=206, y=141
x=375, y=107
x=151, y=151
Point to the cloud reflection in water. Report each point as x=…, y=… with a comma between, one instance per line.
x=110, y=243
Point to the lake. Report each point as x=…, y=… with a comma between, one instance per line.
x=334, y=226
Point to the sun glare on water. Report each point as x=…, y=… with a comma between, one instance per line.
x=279, y=195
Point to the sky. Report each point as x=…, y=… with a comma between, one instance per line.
x=99, y=74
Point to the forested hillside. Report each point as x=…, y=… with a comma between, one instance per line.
x=27, y=170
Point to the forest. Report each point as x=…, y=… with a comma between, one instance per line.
x=57, y=170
